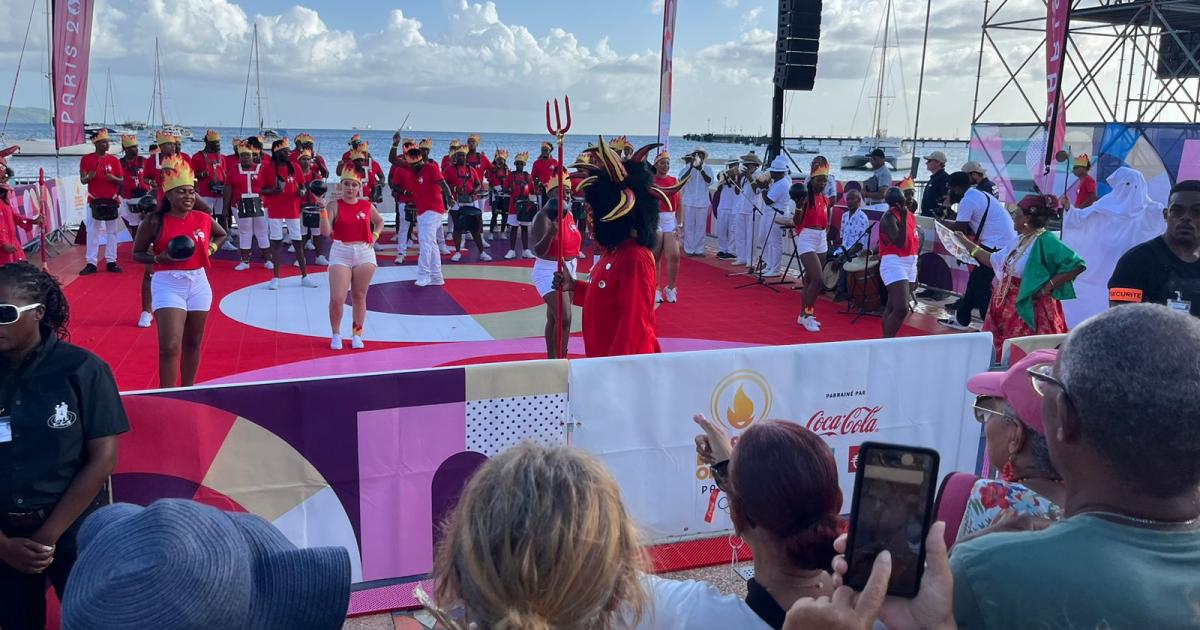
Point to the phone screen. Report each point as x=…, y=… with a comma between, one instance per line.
x=893, y=499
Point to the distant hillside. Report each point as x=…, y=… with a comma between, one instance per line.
x=23, y=115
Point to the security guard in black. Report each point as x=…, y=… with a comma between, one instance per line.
x=60, y=414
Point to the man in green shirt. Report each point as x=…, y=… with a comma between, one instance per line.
x=1123, y=429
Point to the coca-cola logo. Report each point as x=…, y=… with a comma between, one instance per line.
x=856, y=421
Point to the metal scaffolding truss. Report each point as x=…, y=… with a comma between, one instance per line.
x=1128, y=61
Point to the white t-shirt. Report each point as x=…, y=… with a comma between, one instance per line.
x=998, y=232
x=1018, y=267
x=778, y=194
x=728, y=198
x=692, y=605
x=695, y=191
x=750, y=197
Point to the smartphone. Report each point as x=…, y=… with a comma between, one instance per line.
x=892, y=509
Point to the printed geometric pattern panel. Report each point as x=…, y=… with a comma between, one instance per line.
x=495, y=424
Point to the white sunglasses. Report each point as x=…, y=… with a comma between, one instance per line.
x=9, y=313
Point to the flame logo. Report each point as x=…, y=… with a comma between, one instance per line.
x=742, y=413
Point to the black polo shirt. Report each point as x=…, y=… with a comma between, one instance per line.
x=935, y=192
x=61, y=397
x=1151, y=272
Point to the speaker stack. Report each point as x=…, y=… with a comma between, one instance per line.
x=797, y=44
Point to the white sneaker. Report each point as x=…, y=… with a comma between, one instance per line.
x=322, y=261
x=809, y=323
x=296, y=263
x=658, y=296
x=527, y=254
x=445, y=249
x=512, y=253
x=581, y=256
x=310, y=247
x=307, y=281
x=268, y=265
x=335, y=343
x=145, y=319
x=456, y=257
x=422, y=282
x=486, y=242
x=242, y=266
x=672, y=294
x=274, y=284
x=953, y=324
x=229, y=247
x=399, y=259
x=485, y=257
x=356, y=342
x=437, y=282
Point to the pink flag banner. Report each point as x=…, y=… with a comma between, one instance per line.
x=71, y=49
x=665, y=74
x=1058, y=14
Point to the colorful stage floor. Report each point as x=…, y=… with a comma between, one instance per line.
x=486, y=312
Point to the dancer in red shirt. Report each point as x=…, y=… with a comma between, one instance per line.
x=102, y=175
x=546, y=246
x=10, y=219
x=354, y=224
x=544, y=168
x=898, y=247
x=281, y=191
x=1085, y=191
x=133, y=189
x=522, y=206
x=618, y=300
x=177, y=239
x=430, y=192
x=670, y=225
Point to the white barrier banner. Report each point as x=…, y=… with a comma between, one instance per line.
x=72, y=200
x=636, y=412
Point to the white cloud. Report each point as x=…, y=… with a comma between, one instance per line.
x=730, y=3
x=656, y=6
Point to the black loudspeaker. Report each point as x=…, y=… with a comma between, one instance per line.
x=797, y=44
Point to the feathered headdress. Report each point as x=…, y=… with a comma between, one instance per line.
x=454, y=144
x=474, y=137
x=501, y=155
x=349, y=174
x=522, y=157
x=905, y=184
x=212, y=136
x=101, y=136
x=619, y=144
x=177, y=172
x=129, y=141
x=1083, y=160
x=426, y=144
x=242, y=147
x=460, y=150
x=612, y=172
x=304, y=138
x=162, y=137
x=820, y=170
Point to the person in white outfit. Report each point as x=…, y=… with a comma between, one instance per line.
x=697, y=201
x=727, y=194
x=424, y=180
x=743, y=211
x=775, y=202
x=103, y=176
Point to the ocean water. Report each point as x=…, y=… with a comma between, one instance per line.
x=332, y=142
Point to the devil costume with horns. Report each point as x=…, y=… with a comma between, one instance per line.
x=618, y=301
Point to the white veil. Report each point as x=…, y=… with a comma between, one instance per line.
x=1102, y=233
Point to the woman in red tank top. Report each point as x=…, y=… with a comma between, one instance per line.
x=354, y=224
x=898, y=247
x=177, y=239
x=547, y=239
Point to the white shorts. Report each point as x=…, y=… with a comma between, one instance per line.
x=543, y=274
x=893, y=269
x=513, y=222
x=132, y=218
x=666, y=222
x=351, y=254
x=294, y=229
x=251, y=229
x=184, y=290
x=217, y=204
x=811, y=241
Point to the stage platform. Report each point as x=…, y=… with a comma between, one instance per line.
x=486, y=312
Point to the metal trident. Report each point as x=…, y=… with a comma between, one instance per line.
x=559, y=130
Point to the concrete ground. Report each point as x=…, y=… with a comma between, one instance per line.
x=721, y=576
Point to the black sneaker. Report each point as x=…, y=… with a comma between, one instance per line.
x=112, y=268
x=88, y=270
x=724, y=255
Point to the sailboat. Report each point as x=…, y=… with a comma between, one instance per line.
x=893, y=147
x=156, y=99
x=267, y=136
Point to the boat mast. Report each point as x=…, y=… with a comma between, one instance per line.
x=107, y=95
x=887, y=16
x=258, y=81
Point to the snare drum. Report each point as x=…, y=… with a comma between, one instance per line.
x=377, y=193
x=105, y=209
x=310, y=216
x=218, y=188
x=469, y=219
x=863, y=283
x=250, y=207
x=410, y=213
x=526, y=210
x=500, y=204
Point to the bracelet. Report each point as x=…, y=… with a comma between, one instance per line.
x=324, y=214
x=976, y=251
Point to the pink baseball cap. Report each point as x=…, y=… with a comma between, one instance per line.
x=1015, y=386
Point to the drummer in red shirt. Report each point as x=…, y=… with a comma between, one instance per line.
x=898, y=247
x=177, y=240
x=545, y=167
x=618, y=300
x=1085, y=191
x=548, y=243
x=497, y=176
x=430, y=192
x=244, y=194
x=405, y=211
x=305, y=142
x=477, y=159
x=281, y=191
x=10, y=219
x=465, y=183
x=168, y=146
x=355, y=140
x=209, y=166
x=310, y=172
x=521, y=206
x=103, y=176
x=446, y=159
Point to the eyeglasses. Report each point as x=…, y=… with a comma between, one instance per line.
x=9, y=313
x=1043, y=377
x=983, y=414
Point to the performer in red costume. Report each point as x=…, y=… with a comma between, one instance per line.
x=10, y=219
x=618, y=301
x=544, y=168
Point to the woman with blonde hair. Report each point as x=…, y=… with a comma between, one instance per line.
x=540, y=540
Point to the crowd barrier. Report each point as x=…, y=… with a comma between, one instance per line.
x=64, y=204
x=373, y=462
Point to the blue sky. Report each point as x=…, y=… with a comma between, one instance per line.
x=459, y=64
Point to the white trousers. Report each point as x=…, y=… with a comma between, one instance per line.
x=724, y=229
x=401, y=230
x=429, y=261
x=110, y=238
x=695, y=222
x=743, y=238
x=770, y=238
x=251, y=229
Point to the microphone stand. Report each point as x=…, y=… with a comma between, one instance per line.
x=759, y=267
x=862, y=292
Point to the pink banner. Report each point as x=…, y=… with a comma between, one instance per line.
x=72, y=47
x=664, y=86
x=1057, y=19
